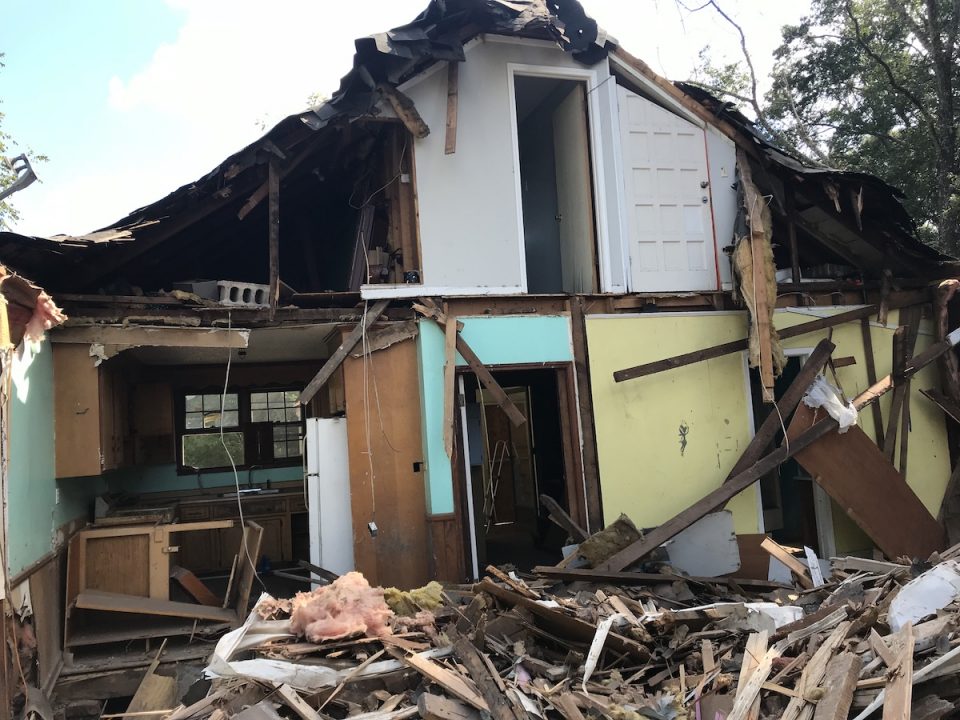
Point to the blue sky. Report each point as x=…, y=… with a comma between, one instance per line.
x=132, y=98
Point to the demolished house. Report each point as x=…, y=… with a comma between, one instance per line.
x=506, y=273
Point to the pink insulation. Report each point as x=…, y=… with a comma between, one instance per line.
x=46, y=315
x=348, y=606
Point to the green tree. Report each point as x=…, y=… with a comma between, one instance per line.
x=870, y=85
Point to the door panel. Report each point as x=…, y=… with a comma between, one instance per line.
x=574, y=192
x=665, y=175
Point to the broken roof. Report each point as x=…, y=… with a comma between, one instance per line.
x=386, y=60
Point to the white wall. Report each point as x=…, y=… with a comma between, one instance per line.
x=722, y=162
x=470, y=220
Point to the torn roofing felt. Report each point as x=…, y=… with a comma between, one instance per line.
x=388, y=59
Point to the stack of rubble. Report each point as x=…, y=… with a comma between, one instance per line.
x=652, y=645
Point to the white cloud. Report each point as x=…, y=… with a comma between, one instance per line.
x=235, y=63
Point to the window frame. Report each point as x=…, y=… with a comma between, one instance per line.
x=245, y=426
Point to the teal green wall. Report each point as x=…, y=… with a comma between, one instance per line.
x=162, y=478
x=33, y=512
x=503, y=340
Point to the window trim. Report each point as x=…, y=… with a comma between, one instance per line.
x=246, y=427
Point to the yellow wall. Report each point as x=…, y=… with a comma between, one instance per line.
x=642, y=470
x=928, y=457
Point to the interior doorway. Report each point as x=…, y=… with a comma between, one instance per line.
x=506, y=468
x=556, y=185
x=796, y=511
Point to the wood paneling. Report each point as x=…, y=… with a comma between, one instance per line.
x=446, y=548
x=386, y=475
x=45, y=595
x=118, y=564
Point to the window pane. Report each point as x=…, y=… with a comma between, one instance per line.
x=231, y=418
x=211, y=402
x=258, y=415
x=292, y=397
x=194, y=403
x=206, y=451
x=211, y=419
x=230, y=402
x=293, y=449
x=293, y=414
x=194, y=421
x=279, y=450
x=277, y=415
x=258, y=400
x=276, y=399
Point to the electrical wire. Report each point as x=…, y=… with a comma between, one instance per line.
x=233, y=465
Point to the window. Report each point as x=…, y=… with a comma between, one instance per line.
x=260, y=428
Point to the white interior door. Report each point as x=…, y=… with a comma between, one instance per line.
x=574, y=192
x=328, y=495
x=668, y=200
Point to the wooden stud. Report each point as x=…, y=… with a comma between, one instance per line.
x=790, y=203
x=340, y=354
x=841, y=682
x=273, y=235
x=453, y=75
x=405, y=109
x=871, y=365
x=899, y=689
x=153, y=336
x=561, y=518
x=581, y=364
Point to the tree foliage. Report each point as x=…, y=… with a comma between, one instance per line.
x=871, y=85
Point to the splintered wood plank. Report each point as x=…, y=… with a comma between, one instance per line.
x=247, y=557
x=855, y=473
x=449, y=379
x=753, y=655
x=340, y=354
x=796, y=567
x=561, y=518
x=291, y=698
x=437, y=707
x=841, y=682
x=899, y=690
x=488, y=683
x=871, y=365
x=450, y=681
x=755, y=205
x=115, y=602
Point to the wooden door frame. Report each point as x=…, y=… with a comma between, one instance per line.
x=575, y=483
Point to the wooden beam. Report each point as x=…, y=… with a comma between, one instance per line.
x=405, y=109
x=561, y=518
x=899, y=689
x=637, y=578
x=453, y=84
x=784, y=408
x=258, y=195
x=791, y=210
x=899, y=362
x=340, y=354
x=152, y=336
x=871, y=364
x=715, y=499
x=273, y=235
x=450, y=332
x=741, y=345
x=117, y=602
x=581, y=367
x=949, y=407
x=762, y=318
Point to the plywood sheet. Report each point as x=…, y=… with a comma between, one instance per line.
x=118, y=564
x=385, y=460
x=855, y=473
x=76, y=411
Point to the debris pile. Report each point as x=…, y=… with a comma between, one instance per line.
x=572, y=643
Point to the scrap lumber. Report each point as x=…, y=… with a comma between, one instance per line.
x=340, y=354
x=437, y=707
x=784, y=407
x=194, y=586
x=449, y=681
x=638, y=578
x=940, y=399
x=799, y=570
x=814, y=672
x=450, y=332
x=841, y=680
x=561, y=518
x=155, y=692
x=489, y=684
x=118, y=602
x=453, y=88
x=741, y=345
x=856, y=474
x=748, y=694
x=291, y=698
x=562, y=624
x=899, y=690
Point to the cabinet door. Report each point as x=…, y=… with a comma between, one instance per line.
x=276, y=538
x=200, y=550
x=76, y=411
x=228, y=544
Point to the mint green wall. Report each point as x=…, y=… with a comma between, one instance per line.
x=504, y=340
x=162, y=478
x=34, y=513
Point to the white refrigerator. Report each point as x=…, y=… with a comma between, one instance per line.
x=328, y=495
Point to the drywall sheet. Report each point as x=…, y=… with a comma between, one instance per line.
x=666, y=440
x=928, y=468
x=38, y=504
x=503, y=340
x=468, y=204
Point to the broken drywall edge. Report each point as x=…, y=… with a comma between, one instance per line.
x=925, y=595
